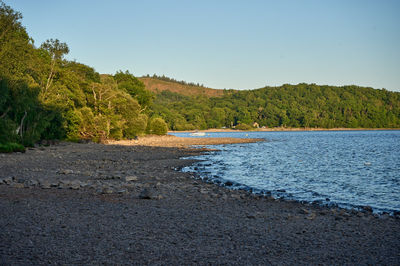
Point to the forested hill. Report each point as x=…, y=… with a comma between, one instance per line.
x=158, y=84
x=302, y=105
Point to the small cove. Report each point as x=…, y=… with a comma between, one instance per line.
x=344, y=168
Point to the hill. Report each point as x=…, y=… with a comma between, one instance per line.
x=301, y=105
x=156, y=85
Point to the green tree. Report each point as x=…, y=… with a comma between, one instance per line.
x=158, y=126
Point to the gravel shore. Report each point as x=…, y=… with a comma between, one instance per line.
x=122, y=204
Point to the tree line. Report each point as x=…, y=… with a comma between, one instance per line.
x=165, y=78
x=302, y=105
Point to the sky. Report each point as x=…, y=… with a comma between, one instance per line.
x=228, y=43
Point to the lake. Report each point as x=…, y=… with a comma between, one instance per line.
x=345, y=168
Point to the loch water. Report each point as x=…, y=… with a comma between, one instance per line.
x=345, y=168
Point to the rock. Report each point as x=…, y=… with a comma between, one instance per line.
x=281, y=190
x=228, y=183
x=251, y=216
x=107, y=190
x=20, y=180
x=131, y=178
x=74, y=185
x=236, y=196
x=32, y=182
x=45, y=184
x=311, y=216
x=65, y=171
x=304, y=211
x=145, y=194
x=8, y=180
x=203, y=191
x=367, y=208
x=17, y=185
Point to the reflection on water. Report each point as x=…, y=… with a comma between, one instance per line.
x=349, y=168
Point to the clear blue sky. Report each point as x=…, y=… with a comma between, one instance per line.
x=227, y=43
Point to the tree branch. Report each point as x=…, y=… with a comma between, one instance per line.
x=5, y=113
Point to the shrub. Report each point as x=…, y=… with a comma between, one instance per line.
x=158, y=126
x=11, y=147
x=244, y=127
x=136, y=127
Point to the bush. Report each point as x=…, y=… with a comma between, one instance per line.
x=243, y=127
x=11, y=147
x=158, y=126
x=136, y=127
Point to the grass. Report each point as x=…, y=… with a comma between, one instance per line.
x=11, y=147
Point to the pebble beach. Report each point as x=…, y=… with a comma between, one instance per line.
x=127, y=202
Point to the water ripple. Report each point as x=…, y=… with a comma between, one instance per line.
x=350, y=168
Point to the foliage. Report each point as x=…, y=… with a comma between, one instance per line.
x=243, y=127
x=11, y=147
x=44, y=96
x=302, y=105
x=130, y=84
x=164, y=78
x=158, y=126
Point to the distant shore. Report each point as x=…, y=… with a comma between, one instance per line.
x=272, y=129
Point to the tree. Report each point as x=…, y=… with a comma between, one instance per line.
x=158, y=126
x=56, y=50
x=130, y=84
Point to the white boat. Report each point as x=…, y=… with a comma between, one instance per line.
x=197, y=134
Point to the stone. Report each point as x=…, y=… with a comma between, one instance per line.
x=236, y=196
x=7, y=180
x=311, y=216
x=204, y=191
x=122, y=191
x=33, y=182
x=367, y=208
x=17, y=185
x=304, y=211
x=251, y=216
x=65, y=171
x=74, y=185
x=45, y=184
x=107, y=190
x=145, y=194
x=131, y=178
x=228, y=183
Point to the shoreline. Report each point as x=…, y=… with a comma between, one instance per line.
x=181, y=142
x=132, y=206
x=282, y=129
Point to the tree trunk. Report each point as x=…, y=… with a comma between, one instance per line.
x=19, y=129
